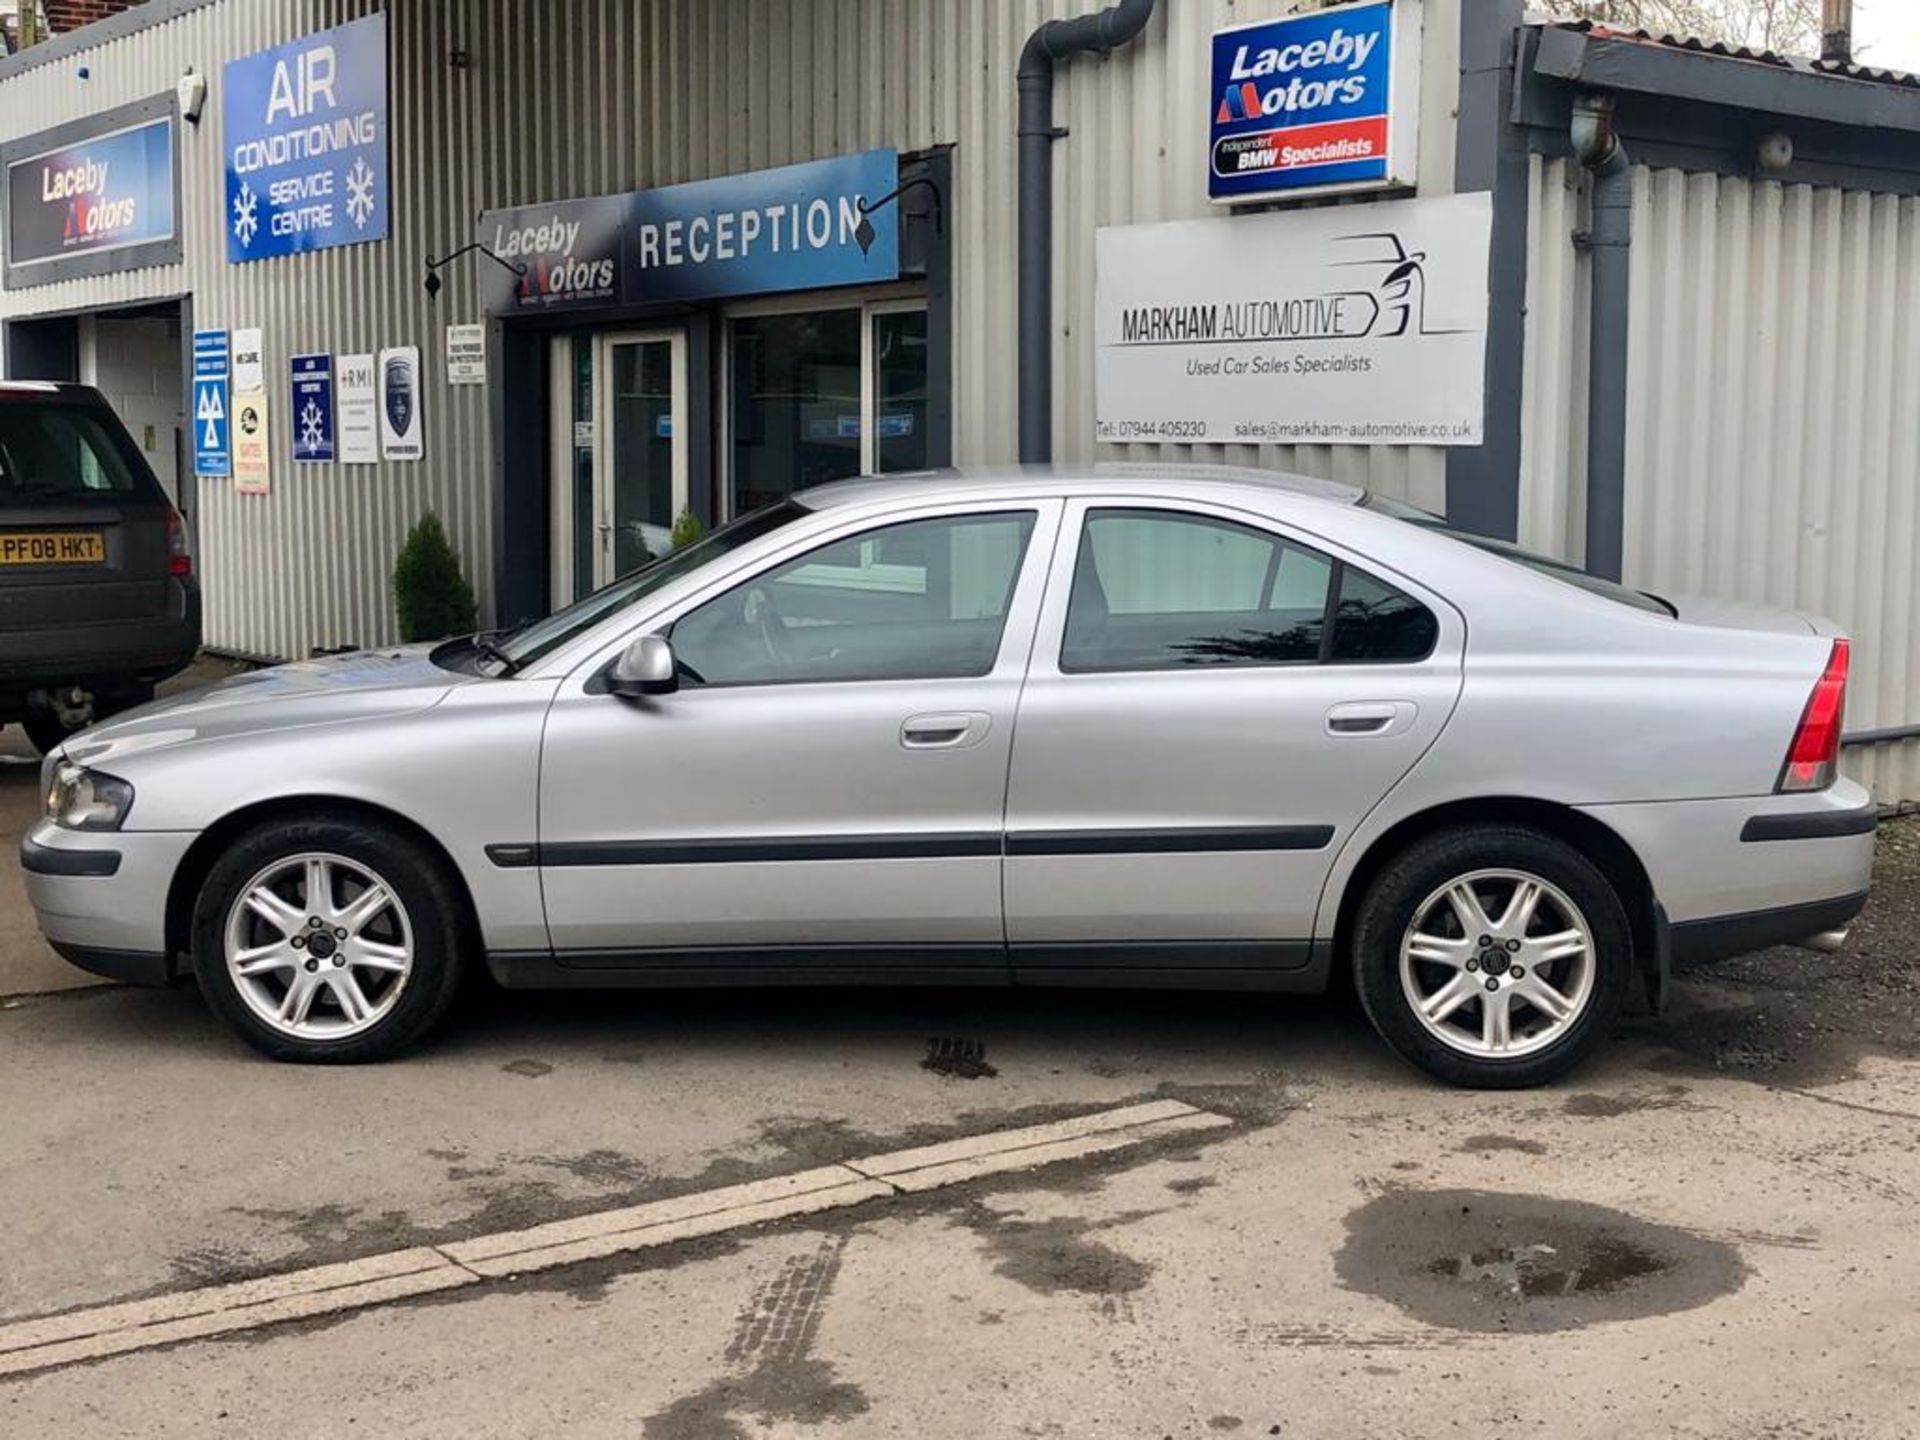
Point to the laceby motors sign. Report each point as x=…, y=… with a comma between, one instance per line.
x=96, y=202
x=305, y=133
x=1335, y=325
x=798, y=227
x=1316, y=104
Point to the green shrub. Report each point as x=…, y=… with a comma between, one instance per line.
x=686, y=529
x=430, y=593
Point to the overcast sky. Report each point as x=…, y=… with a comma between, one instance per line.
x=1887, y=33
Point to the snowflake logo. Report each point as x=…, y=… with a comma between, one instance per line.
x=312, y=435
x=246, y=220
x=360, y=193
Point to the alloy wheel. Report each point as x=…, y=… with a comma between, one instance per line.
x=1498, y=963
x=319, y=947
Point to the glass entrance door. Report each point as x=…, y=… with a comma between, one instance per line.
x=619, y=454
x=640, y=458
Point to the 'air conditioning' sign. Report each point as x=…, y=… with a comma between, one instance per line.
x=1316, y=103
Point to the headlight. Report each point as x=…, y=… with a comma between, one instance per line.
x=83, y=799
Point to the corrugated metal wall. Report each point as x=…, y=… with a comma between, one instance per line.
x=1773, y=450
x=578, y=97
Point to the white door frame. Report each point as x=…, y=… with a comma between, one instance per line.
x=603, y=477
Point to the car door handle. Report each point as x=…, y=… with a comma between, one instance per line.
x=959, y=730
x=1364, y=718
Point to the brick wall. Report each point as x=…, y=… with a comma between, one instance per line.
x=64, y=15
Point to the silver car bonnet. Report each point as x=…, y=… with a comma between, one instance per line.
x=354, y=686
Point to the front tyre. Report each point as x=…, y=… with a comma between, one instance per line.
x=1492, y=956
x=328, y=941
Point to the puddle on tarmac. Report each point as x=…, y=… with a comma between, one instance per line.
x=1479, y=1260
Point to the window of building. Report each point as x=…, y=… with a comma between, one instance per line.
x=1157, y=590
x=820, y=394
x=919, y=600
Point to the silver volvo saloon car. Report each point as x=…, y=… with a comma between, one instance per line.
x=1111, y=726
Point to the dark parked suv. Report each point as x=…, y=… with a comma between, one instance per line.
x=97, y=596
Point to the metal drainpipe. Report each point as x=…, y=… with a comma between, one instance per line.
x=1610, y=238
x=1054, y=41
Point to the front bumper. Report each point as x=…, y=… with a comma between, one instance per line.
x=101, y=897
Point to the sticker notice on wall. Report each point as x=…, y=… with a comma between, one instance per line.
x=252, y=449
x=466, y=354
x=399, y=382
x=312, y=419
x=249, y=360
x=359, y=414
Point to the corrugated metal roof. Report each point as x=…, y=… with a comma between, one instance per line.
x=1851, y=71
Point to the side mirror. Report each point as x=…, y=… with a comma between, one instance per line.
x=646, y=667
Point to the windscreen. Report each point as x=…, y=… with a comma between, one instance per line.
x=544, y=636
x=55, y=454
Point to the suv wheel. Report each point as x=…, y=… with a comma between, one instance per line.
x=324, y=941
x=1492, y=956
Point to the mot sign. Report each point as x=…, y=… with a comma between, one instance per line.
x=1316, y=104
x=306, y=143
x=1343, y=325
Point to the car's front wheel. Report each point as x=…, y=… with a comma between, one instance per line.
x=328, y=940
x=1492, y=956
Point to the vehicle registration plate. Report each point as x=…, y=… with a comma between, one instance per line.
x=52, y=547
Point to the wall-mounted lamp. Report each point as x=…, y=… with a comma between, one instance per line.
x=432, y=282
x=192, y=92
x=1774, y=153
x=863, y=233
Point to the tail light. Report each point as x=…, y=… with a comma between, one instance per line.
x=179, y=560
x=1814, y=756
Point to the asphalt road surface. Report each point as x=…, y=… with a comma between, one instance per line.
x=1709, y=1233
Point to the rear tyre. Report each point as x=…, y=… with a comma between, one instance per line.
x=1492, y=956
x=327, y=941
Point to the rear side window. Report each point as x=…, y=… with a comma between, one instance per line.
x=1156, y=590
x=61, y=455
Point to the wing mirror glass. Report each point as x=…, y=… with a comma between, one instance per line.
x=646, y=667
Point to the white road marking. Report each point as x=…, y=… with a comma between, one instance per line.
x=379, y=1279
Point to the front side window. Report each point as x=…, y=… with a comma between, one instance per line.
x=1155, y=590
x=923, y=599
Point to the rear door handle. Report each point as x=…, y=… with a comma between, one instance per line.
x=958, y=730
x=1371, y=718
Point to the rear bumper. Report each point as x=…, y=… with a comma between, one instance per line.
x=1695, y=942
x=53, y=653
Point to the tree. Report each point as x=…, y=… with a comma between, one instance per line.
x=431, y=596
x=1790, y=27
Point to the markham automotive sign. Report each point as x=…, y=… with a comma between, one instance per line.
x=797, y=227
x=1316, y=103
x=305, y=134
x=1351, y=325
x=84, y=204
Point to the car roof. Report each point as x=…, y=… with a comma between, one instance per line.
x=30, y=390
x=1067, y=479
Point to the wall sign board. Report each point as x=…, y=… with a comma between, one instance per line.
x=1344, y=325
x=305, y=139
x=93, y=196
x=212, y=437
x=1317, y=103
x=311, y=419
x=798, y=227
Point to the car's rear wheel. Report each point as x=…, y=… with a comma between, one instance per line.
x=1492, y=956
x=327, y=941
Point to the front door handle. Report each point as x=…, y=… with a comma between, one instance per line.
x=958, y=730
x=1363, y=718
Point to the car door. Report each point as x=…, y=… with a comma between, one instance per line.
x=827, y=787
x=1213, y=705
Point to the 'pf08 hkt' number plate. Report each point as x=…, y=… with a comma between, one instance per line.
x=52, y=547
